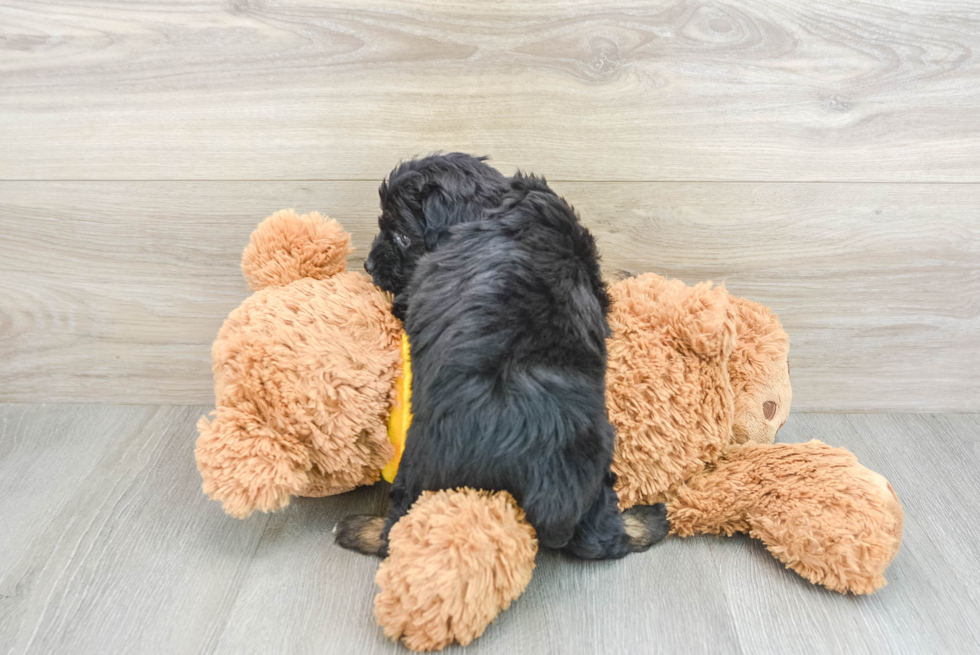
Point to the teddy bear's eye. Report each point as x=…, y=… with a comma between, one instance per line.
x=402, y=240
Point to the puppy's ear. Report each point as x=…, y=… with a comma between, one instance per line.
x=440, y=214
x=399, y=306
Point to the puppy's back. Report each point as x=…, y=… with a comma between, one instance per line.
x=507, y=323
x=524, y=282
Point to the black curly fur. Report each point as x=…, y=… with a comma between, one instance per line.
x=420, y=201
x=506, y=316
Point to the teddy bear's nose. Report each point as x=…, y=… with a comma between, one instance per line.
x=769, y=409
x=368, y=264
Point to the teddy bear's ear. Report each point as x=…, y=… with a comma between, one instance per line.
x=699, y=319
x=287, y=247
x=708, y=320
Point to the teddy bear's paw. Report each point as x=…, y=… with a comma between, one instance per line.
x=646, y=525
x=457, y=559
x=248, y=465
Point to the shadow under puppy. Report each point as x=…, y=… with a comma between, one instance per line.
x=500, y=293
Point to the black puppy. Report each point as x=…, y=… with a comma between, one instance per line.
x=506, y=316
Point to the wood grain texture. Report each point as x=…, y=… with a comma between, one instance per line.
x=109, y=546
x=581, y=90
x=113, y=292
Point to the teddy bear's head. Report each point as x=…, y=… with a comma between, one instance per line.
x=304, y=373
x=759, y=370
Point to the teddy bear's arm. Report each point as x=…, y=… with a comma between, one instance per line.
x=816, y=508
x=248, y=466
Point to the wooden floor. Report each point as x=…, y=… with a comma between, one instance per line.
x=109, y=547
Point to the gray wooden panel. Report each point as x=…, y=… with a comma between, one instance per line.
x=304, y=594
x=114, y=291
x=877, y=285
x=109, y=546
x=583, y=89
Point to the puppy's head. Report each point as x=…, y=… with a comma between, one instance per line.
x=420, y=200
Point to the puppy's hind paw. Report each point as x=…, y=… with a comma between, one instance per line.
x=646, y=525
x=361, y=533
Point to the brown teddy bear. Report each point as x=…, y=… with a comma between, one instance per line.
x=697, y=386
x=304, y=373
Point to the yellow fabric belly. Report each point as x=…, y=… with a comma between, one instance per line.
x=401, y=413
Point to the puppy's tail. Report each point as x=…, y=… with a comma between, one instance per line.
x=365, y=534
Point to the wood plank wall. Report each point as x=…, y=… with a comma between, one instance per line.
x=823, y=158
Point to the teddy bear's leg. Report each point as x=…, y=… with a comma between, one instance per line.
x=458, y=558
x=247, y=465
x=715, y=501
x=820, y=512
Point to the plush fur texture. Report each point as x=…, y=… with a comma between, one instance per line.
x=759, y=371
x=670, y=398
x=691, y=370
x=507, y=324
x=303, y=371
x=287, y=247
x=816, y=508
x=457, y=560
